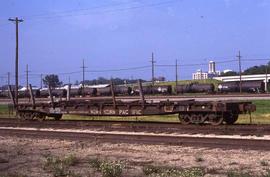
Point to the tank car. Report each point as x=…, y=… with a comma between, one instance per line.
x=161, y=89
x=122, y=90
x=202, y=88
x=183, y=88
x=247, y=86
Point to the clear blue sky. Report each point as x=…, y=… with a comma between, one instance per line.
x=113, y=34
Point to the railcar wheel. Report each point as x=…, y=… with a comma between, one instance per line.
x=184, y=119
x=215, y=119
x=57, y=117
x=41, y=117
x=230, y=118
x=21, y=116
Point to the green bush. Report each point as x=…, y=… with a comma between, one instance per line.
x=158, y=171
x=111, y=169
x=239, y=174
x=60, y=167
x=95, y=163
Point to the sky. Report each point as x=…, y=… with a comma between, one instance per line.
x=117, y=37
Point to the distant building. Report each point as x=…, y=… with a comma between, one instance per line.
x=199, y=75
x=211, y=67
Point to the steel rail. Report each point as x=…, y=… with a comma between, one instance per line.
x=98, y=137
x=142, y=126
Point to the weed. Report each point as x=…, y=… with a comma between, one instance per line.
x=264, y=163
x=95, y=163
x=239, y=174
x=70, y=160
x=111, y=169
x=149, y=169
x=13, y=175
x=267, y=174
x=199, y=159
x=158, y=171
x=60, y=167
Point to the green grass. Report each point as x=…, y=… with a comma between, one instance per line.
x=4, y=111
x=260, y=116
x=206, y=81
x=158, y=118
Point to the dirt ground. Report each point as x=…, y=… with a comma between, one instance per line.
x=42, y=157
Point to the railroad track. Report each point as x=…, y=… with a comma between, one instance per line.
x=142, y=138
x=141, y=126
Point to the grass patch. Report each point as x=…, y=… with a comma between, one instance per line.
x=95, y=163
x=239, y=174
x=163, y=171
x=107, y=168
x=264, y=163
x=111, y=169
x=5, y=111
x=13, y=175
x=158, y=118
x=60, y=166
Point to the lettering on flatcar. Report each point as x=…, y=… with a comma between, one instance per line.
x=94, y=111
x=55, y=110
x=109, y=111
x=123, y=111
x=136, y=112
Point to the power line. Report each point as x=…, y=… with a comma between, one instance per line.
x=121, y=69
x=75, y=10
x=106, y=11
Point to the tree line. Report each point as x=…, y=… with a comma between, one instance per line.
x=261, y=69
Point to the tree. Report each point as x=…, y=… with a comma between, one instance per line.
x=52, y=80
x=230, y=73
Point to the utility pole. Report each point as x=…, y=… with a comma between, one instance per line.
x=41, y=81
x=83, y=68
x=27, y=78
x=153, y=71
x=240, y=70
x=8, y=81
x=176, y=73
x=17, y=21
x=266, y=78
x=69, y=80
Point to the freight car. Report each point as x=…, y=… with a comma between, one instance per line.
x=195, y=88
x=153, y=90
x=105, y=90
x=189, y=111
x=247, y=86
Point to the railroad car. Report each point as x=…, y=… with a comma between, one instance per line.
x=189, y=111
x=195, y=88
x=247, y=86
x=153, y=90
x=202, y=88
x=161, y=89
x=57, y=92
